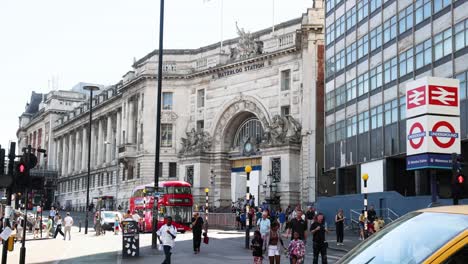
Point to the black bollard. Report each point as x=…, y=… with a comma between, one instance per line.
x=79, y=227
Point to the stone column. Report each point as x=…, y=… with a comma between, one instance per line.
x=110, y=144
x=118, y=130
x=93, y=147
x=70, y=153
x=130, y=118
x=78, y=146
x=84, y=153
x=64, y=155
x=100, y=142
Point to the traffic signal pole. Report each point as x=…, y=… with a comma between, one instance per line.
x=23, y=241
x=11, y=164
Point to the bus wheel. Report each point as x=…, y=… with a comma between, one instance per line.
x=182, y=232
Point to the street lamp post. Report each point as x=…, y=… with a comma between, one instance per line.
x=91, y=89
x=248, y=169
x=365, y=177
x=154, y=240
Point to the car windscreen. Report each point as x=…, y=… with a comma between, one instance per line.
x=410, y=239
x=108, y=215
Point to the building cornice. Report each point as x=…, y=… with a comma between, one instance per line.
x=77, y=118
x=209, y=71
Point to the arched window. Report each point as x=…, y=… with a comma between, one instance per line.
x=250, y=129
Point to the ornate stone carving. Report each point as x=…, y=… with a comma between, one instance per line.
x=282, y=130
x=247, y=46
x=195, y=143
x=168, y=116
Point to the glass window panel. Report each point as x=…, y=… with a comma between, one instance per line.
x=462, y=78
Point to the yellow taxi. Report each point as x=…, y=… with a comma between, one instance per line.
x=434, y=235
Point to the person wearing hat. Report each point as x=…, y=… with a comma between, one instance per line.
x=166, y=235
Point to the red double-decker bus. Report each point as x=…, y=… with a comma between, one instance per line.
x=175, y=200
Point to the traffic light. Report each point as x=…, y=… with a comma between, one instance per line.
x=461, y=179
x=21, y=174
x=458, y=178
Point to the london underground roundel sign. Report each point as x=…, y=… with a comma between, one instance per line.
x=416, y=135
x=437, y=134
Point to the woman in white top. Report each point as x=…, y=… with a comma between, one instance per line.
x=59, y=227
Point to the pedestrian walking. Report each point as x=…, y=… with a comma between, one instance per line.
x=52, y=214
x=362, y=222
x=257, y=247
x=264, y=226
x=19, y=228
x=166, y=235
x=320, y=245
x=68, y=225
x=50, y=224
x=242, y=220
x=197, y=228
x=371, y=217
x=310, y=215
x=258, y=215
x=273, y=244
x=37, y=227
x=238, y=220
x=116, y=224
x=298, y=225
x=282, y=220
x=58, y=229
x=296, y=249
x=339, y=226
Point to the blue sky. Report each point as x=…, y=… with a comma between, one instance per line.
x=96, y=40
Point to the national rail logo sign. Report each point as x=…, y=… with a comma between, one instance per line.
x=433, y=134
x=416, y=97
x=432, y=95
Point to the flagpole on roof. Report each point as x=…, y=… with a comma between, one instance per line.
x=221, y=23
x=273, y=17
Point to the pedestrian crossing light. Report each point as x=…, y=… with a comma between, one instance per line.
x=460, y=179
x=207, y=190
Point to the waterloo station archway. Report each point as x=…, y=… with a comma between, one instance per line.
x=243, y=133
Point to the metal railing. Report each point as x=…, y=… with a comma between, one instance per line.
x=221, y=219
x=387, y=214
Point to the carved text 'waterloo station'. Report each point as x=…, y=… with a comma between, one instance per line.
x=250, y=67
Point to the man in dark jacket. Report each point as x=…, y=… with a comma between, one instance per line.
x=318, y=230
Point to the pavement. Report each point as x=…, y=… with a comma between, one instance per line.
x=226, y=246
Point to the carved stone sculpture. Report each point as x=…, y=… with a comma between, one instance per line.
x=195, y=143
x=282, y=130
x=247, y=46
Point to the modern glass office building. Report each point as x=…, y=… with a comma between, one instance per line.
x=373, y=48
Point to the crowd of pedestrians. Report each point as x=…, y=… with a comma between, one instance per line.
x=295, y=226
